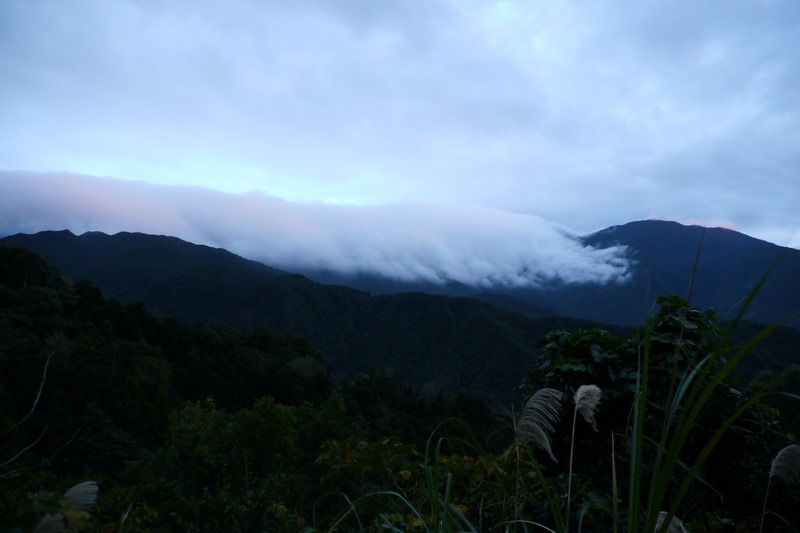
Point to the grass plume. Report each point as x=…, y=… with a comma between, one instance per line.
x=786, y=467
x=586, y=399
x=73, y=511
x=675, y=524
x=535, y=425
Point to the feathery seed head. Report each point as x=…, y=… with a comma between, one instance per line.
x=82, y=496
x=786, y=465
x=536, y=421
x=675, y=525
x=586, y=399
x=79, y=500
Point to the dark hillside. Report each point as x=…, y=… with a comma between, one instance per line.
x=187, y=426
x=457, y=342
x=460, y=343
x=129, y=265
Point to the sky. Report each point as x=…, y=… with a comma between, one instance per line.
x=462, y=139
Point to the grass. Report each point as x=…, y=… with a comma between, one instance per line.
x=660, y=471
x=687, y=400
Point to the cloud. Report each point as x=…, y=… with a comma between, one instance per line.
x=590, y=114
x=403, y=241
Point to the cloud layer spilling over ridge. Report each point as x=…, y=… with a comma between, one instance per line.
x=402, y=241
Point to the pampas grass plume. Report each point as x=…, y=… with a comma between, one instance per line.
x=675, y=525
x=81, y=498
x=786, y=465
x=586, y=399
x=537, y=418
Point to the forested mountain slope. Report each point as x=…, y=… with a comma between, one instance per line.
x=196, y=427
x=460, y=343
x=176, y=421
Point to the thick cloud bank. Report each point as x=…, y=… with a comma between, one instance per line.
x=405, y=241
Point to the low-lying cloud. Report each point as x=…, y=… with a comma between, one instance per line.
x=402, y=241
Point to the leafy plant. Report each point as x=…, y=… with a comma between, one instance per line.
x=670, y=397
x=689, y=395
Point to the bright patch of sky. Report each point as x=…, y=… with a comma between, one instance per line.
x=587, y=114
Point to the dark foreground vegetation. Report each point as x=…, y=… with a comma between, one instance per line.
x=187, y=427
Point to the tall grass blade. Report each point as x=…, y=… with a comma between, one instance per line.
x=351, y=508
x=637, y=433
x=530, y=523
x=586, y=399
x=704, y=380
x=614, y=487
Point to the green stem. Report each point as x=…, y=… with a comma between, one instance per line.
x=569, y=476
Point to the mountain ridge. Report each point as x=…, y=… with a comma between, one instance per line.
x=715, y=267
x=459, y=341
x=718, y=265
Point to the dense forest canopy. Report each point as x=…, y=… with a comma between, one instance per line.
x=187, y=426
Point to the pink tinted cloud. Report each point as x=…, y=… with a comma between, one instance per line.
x=407, y=241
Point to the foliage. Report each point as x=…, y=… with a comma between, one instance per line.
x=200, y=428
x=675, y=373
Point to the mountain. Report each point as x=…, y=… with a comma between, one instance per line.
x=662, y=256
x=130, y=266
x=461, y=342
x=483, y=343
x=720, y=265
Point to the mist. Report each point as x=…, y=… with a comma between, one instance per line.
x=412, y=241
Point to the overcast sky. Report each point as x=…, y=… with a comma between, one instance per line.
x=567, y=115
